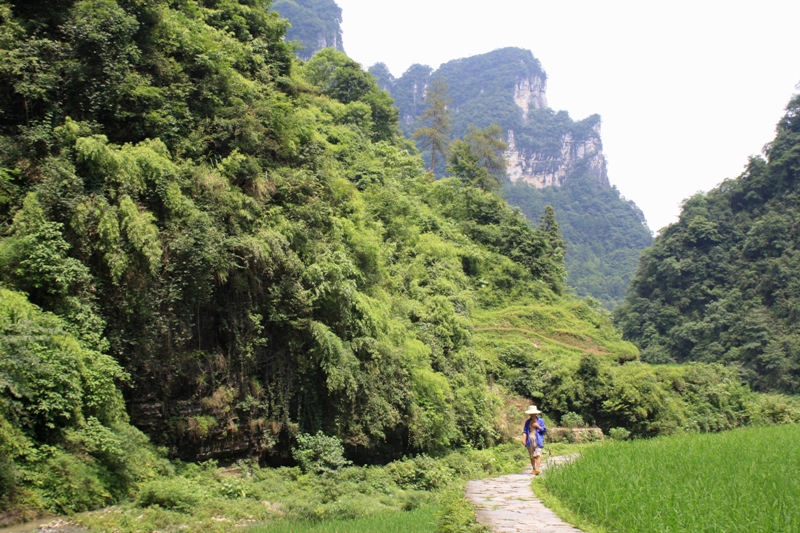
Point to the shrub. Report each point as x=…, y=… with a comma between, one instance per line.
x=177, y=494
x=319, y=453
x=421, y=472
x=459, y=515
x=71, y=485
x=619, y=433
x=572, y=420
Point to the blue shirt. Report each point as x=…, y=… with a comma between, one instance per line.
x=538, y=433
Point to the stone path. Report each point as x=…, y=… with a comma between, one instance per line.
x=506, y=504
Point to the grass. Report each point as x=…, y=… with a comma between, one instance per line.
x=740, y=481
x=421, y=520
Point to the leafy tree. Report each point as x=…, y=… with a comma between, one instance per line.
x=343, y=79
x=488, y=145
x=465, y=165
x=477, y=160
x=603, y=233
x=436, y=135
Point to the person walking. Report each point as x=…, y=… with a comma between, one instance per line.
x=534, y=431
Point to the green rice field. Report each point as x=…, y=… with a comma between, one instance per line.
x=421, y=520
x=740, y=481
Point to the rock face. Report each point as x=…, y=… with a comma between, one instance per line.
x=546, y=168
x=530, y=92
x=542, y=169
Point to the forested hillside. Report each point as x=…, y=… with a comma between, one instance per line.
x=212, y=246
x=721, y=284
x=552, y=160
x=604, y=236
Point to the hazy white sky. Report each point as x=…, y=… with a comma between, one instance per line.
x=687, y=89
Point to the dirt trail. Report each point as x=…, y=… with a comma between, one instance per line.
x=506, y=504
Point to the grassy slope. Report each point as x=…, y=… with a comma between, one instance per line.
x=561, y=331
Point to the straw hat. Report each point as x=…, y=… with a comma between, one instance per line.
x=532, y=410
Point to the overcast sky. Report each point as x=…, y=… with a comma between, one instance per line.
x=687, y=90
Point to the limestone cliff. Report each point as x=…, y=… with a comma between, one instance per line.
x=530, y=92
x=315, y=24
x=548, y=167
x=542, y=169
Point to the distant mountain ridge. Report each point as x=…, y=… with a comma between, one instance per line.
x=508, y=87
x=316, y=24
x=551, y=160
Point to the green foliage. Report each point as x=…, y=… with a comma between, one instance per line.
x=175, y=494
x=342, y=79
x=48, y=379
x=572, y=360
x=720, y=284
x=65, y=441
x=204, y=497
x=619, y=433
x=319, y=453
x=735, y=481
x=477, y=160
x=488, y=145
x=422, y=520
x=572, y=420
x=459, y=516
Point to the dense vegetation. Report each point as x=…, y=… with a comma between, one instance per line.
x=740, y=481
x=237, y=253
x=721, y=284
x=315, y=24
x=249, y=240
x=605, y=234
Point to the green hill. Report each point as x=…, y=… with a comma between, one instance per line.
x=720, y=285
x=552, y=160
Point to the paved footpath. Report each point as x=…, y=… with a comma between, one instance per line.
x=506, y=504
